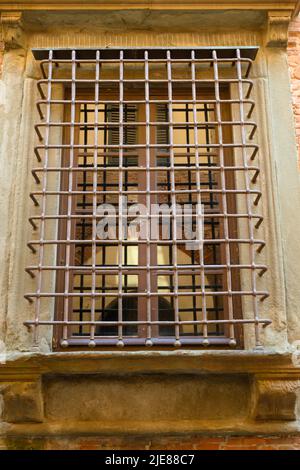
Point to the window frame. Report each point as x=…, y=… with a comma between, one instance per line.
x=82, y=343
x=209, y=55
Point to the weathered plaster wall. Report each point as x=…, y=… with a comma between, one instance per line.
x=11, y=102
x=1, y=56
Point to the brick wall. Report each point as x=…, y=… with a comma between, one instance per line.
x=294, y=63
x=197, y=443
x=288, y=442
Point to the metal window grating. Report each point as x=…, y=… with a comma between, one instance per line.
x=159, y=126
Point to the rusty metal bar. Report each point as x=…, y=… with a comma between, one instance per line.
x=198, y=182
x=94, y=220
x=224, y=200
x=120, y=221
x=248, y=199
x=44, y=200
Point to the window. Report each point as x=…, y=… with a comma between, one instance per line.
x=152, y=200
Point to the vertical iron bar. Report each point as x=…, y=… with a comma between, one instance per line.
x=120, y=342
x=83, y=223
x=190, y=200
x=173, y=199
x=224, y=199
x=64, y=342
x=148, y=199
x=44, y=199
x=94, y=220
x=248, y=198
x=104, y=186
x=198, y=185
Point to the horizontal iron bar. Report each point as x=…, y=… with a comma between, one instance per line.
x=150, y=101
x=132, y=323
x=158, y=341
x=166, y=124
x=145, y=294
x=154, y=146
x=208, y=215
x=146, y=241
x=131, y=192
x=157, y=268
x=142, y=81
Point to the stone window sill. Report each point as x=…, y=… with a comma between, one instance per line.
x=133, y=362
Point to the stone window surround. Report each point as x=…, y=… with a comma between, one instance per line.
x=269, y=66
x=272, y=366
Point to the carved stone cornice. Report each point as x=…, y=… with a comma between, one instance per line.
x=274, y=29
x=277, y=28
x=297, y=9
x=12, y=33
x=55, y=5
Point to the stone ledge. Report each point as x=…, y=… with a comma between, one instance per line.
x=22, y=366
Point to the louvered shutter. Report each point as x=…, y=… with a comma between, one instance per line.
x=130, y=132
x=162, y=133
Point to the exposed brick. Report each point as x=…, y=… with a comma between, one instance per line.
x=200, y=442
x=294, y=64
